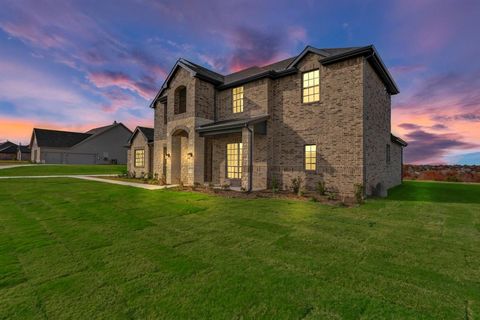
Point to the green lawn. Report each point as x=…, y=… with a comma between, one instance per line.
x=82, y=250
x=44, y=170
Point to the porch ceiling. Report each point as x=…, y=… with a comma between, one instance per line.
x=234, y=125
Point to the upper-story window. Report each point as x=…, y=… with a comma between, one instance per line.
x=165, y=113
x=311, y=86
x=237, y=96
x=180, y=100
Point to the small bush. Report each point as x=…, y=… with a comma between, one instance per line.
x=296, y=185
x=274, y=185
x=359, y=193
x=195, y=185
x=321, y=188
x=225, y=186
x=332, y=196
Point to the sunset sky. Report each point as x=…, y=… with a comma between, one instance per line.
x=74, y=65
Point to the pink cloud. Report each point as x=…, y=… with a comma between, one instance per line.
x=144, y=88
x=426, y=147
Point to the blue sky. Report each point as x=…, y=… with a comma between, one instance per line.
x=74, y=65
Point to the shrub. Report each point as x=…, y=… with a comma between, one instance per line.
x=274, y=184
x=359, y=193
x=332, y=196
x=195, y=185
x=321, y=188
x=296, y=185
x=225, y=186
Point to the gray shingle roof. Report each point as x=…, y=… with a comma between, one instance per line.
x=148, y=132
x=58, y=139
x=6, y=145
x=330, y=55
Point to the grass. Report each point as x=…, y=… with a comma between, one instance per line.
x=41, y=170
x=79, y=249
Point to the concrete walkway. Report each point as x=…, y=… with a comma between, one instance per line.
x=97, y=177
x=9, y=166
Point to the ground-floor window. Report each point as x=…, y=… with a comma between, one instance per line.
x=139, y=158
x=234, y=160
x=310, y=157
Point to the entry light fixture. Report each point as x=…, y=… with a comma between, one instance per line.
x=168, y=155
x=190, y=155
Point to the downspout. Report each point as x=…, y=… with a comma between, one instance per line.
x=214, y=104
x=250, y=158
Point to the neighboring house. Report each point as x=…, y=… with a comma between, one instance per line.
x=23, y=153
x=8, y=151
x=322, y=116
x=103, y=145
x=140, y=152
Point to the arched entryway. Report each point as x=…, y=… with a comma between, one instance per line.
x=180, y=157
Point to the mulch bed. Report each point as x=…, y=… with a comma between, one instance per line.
x=282, y=194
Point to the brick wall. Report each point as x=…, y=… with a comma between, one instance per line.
x=334, y=124
x=376, y=119
x=139, y=142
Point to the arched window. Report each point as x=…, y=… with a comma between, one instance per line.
x=180, y=100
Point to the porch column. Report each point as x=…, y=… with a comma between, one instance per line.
x=247, y=158
x=198, y=158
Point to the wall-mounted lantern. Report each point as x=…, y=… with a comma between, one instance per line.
x=190, y=155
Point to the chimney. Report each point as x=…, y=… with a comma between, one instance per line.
x=115, y=122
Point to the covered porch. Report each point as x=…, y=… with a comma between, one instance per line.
x=235, y=153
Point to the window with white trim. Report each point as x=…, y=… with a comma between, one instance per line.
x=237, y=99
x=310, y=157
x=311, y=86
x=234, y=160
x=139, y=158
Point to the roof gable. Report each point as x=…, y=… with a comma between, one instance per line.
x=148, y=134
x=195, y=70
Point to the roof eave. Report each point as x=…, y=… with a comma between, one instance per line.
x=397, y=140
x=267, y=74
x=373, y=57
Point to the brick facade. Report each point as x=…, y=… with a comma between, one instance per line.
x=139, y=142
x=350, y=127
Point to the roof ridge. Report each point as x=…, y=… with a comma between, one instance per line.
x=61, y=131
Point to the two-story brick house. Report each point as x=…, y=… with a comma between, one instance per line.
x=323, y=115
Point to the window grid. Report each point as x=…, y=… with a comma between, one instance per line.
x=234, y=160
x=237, y=99
x=139, y=158
x=311, y=86
x=310, y=157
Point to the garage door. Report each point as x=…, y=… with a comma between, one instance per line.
x=81, y=158
x=52, y=157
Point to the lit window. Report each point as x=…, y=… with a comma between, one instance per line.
x=311, y=86
x=234, y=160
x=139, y=158
x=310, y=157
x=237, y=99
